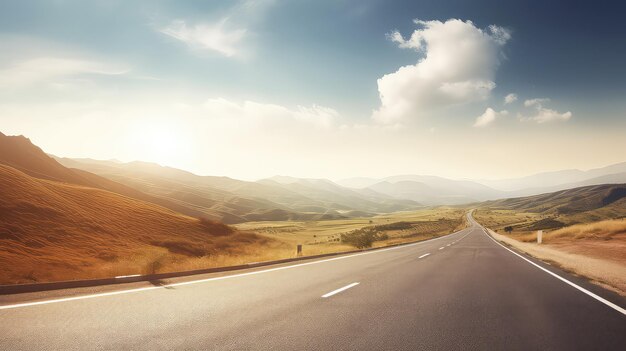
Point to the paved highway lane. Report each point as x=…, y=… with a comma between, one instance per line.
x=462, y=291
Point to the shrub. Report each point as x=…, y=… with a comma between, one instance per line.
x=186, y=248
x=215, y=228
x=508, y=229
x=155, y=263
x=363, y=238
x=394, y=226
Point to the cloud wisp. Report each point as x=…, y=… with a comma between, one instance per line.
x=458, y=66
x=48, y=69
x=207, y=36
x=271, y=116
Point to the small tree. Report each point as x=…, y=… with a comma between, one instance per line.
x=508, y=229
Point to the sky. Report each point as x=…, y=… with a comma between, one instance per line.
x=320, y=89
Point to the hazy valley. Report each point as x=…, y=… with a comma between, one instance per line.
x=117, y=218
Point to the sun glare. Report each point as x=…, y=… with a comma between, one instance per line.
x=158, y=143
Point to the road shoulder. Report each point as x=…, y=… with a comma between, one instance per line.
x=607, y=274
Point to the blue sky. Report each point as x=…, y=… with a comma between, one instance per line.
x=255, y=88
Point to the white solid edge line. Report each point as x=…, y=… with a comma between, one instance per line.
x=580, y=288
x=424, y=255
x=339, y=290
x=165, y=286
x=441, y=248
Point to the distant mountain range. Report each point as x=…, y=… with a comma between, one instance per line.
x=233, y=201
x=281, y=197
x=432, y=190
x=564, y=179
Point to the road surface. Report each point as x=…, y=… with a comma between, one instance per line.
x=461, y=291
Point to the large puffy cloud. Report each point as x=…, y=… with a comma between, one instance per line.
x=542, y=114
x=458, y=66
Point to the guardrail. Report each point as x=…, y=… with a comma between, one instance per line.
x=72, y=284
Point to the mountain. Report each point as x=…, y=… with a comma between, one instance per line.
x=20, y=153
x=333, y=196
x=571, y=206
x=557, y=180
x=234, y=201
x=429, y=190
x=59, y=230
x=432, y=190
x=358, y=182
x=616, y=178
x=219, y=198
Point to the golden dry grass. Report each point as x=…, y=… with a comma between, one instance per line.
x=498, y=219
x=56, y=231
x=603, y=230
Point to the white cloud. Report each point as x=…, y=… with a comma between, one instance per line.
x=207, y=36
x=265, y=115
x=459, y=65
x=49, y=69
x=536, y=102
x=542, y=114
x=511, y=98
x=489, y=117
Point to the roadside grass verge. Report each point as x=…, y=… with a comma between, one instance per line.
x=602, y=230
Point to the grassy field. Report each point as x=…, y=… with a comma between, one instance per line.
x=319, y=237
x=498, y=219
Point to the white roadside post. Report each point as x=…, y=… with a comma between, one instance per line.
x=539, y=236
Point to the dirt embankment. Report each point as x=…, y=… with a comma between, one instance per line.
x=598, y=261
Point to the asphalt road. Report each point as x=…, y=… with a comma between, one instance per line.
x=461, y=291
